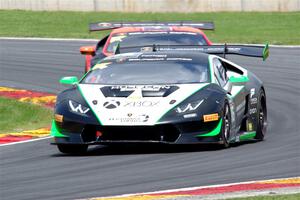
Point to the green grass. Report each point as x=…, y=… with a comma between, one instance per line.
x=270, y=197
x=18, y=116
x=246, y=27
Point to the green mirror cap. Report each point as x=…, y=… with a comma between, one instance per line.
x=266, y=52
x=239, y=79
x=70, y=80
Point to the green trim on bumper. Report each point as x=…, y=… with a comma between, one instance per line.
x=214, y=132
x=55, y=132
x=247, y=136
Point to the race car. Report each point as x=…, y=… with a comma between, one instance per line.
x=143, y=33
x=171, y=95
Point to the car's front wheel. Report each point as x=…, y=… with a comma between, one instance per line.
x=226, y=125
x=72, y=148
x=261, y=117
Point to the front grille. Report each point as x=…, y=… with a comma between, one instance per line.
x=165, y=133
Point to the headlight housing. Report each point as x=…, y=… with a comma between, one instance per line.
x=77, y=108
x=189, y=107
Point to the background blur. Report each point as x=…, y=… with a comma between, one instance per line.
x=154, y=5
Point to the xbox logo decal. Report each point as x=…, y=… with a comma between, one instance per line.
x=112, y=104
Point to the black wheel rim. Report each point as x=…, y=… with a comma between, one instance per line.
x=226, y=123
x=262, y=118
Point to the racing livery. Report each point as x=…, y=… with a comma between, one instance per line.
x=144, y=33
x=163, y=95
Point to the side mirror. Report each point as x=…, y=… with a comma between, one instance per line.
x=69, y=80
x=238, y=79
x=87, y=50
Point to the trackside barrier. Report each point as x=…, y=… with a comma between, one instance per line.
x=153, y=5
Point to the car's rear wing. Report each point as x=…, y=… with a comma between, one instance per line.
x=101, y=26
x=261, y=51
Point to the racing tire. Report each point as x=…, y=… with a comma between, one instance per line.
x=261, y=117
x=72, y=148
x=226, y=125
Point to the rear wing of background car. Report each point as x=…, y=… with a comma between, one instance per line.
x=101, y=26
x=261, y=51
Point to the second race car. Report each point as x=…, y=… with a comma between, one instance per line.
x=144, y=33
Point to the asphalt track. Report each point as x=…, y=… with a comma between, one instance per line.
x=37, y=171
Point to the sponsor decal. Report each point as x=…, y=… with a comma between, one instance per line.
x=58, y=118
x=188, y=107
x=154, y=55
x=138, y=91
x=145, y=59
x=112, y=104
x=252, y=92
x=184, y=59
x=253, y=101
x=77, y=108
x=148, y=33
x=147, y=49
x=141, y=103
x=131, y=118
x=211, y=117
x=105, y=24
x=252, y=111
x=123, y=88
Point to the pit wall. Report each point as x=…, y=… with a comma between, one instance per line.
x=153, y=5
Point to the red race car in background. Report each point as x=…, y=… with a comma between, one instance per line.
x=144, y=33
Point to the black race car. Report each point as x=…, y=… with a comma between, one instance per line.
x=163, y=94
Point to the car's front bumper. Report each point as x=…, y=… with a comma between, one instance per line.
x=187, y=133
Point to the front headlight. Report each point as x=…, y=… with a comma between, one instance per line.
x=184, y=108
x=77, y=108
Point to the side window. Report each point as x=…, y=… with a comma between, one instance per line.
x=219, y=72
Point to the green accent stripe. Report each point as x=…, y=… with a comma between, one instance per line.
x=177, y=103
x=247, y=136
x=214, y=132
x=79, y=88
x=55, y=132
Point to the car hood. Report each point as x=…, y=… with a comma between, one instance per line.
x=138, y=105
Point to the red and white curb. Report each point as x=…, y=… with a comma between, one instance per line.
x=40, y=98
x=251, y=188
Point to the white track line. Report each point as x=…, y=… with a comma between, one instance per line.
x=192, y=188
x=95, y=40
x=25, y=141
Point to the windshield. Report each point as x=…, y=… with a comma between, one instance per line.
x=150, y=38
x=136, y=73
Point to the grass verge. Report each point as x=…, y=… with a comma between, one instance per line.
x=274, y=197
x=18, y=116
x=231, y=27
